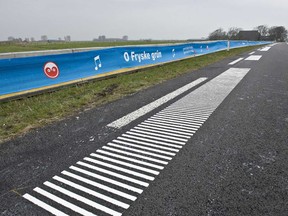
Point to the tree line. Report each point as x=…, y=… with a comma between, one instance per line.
x=274, y=33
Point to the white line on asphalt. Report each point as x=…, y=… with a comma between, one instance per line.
x=63, y=202
x=159, y=134
x=142, y=147
x=82, y=199
x=265, y=49
x=178, y=122
x=91, y=192
x=165, y=129
x=151, y=137
x=130, y=159
x=125, y=164
x=138, y=151
x=148, y=142
x=113, y=174
x=189, y=132
x=236, y=61
x=162, y=131
x=253, y=58
x=182, y=119
x=101, y=186
x=176, y=125
x=145, y=109
x=111, y=181
x=251, y=53
x=135, y=155
x=43, y=205
x=119, y=169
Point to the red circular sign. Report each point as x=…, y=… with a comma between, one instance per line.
x=51, y=70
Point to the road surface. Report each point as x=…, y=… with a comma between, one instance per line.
x=211, y=142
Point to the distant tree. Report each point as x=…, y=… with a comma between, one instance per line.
x=278, y=33
x=218, y=34
x=32, y=39
x=233, y=33
x=263, y=30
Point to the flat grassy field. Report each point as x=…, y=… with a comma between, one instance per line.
x=19, y=116
x=37, y=46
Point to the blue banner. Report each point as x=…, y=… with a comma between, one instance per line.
x=32, y=73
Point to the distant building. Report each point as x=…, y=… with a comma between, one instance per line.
x=252, y=35
x=11, y=38
x=44, y=38
x=67, y=38
x=102, y=38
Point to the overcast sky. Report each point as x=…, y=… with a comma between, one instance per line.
x=139, y=19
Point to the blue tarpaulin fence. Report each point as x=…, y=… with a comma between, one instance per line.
x=34, y=73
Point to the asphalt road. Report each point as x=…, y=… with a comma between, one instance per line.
x=234, y=164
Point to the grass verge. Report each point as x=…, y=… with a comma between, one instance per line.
x=37, y=46
x=19, y=116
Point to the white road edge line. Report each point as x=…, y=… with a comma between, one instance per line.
x=125, y=120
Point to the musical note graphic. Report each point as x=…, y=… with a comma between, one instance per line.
x=97, y=62
x=173, y=53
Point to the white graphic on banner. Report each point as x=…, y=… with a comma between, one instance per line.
x=173, y=53
x=143, y=56
x=188, y=50
x=97, y=62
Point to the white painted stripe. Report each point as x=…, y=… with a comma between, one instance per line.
x=265, y=49
x=111, y=181
x=161, y=131
x=179, y=116
x=139, y=151
x=153, y=138
x=91, y=192
x=125, y=164
x=180, y=120
x=147, y=142
x=101, y=186
x=135, y=155
x=143, y=110
x=130, y=159
x=175, y=125
x=188, y=113
x=175, y=122
x=184, y=116
x=141, y=147
x=158, y=134
x=64, y=202
x=82, y=199
x=251, y=53
x=169, y=127
x=253, y=58
x=191, y=109
x=113, y=174
x=43, y=205
x=236, y=61
x=119, y=169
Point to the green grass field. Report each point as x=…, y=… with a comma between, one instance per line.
x=19, y=116
x=37, y=46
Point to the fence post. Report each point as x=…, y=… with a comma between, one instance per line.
x=228, y=45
